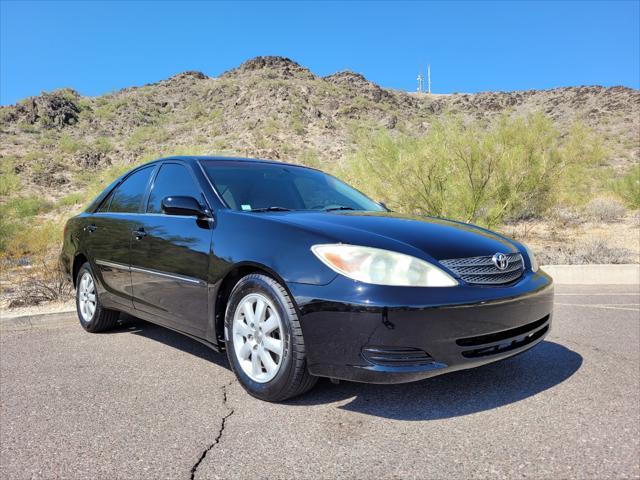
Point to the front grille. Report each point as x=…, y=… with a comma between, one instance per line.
x=482, y=270
x=396, y=356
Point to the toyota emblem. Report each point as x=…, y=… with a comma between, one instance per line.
x=500, y=260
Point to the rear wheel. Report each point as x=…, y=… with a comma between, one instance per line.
x=264, y=340
x=92, y=315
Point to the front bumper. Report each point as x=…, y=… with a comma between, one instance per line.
x=376, y=334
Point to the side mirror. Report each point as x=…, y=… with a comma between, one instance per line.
x=186, y=206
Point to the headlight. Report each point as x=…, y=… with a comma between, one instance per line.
x=532, y=258
x=381, y=267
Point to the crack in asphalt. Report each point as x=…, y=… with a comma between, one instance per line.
x=216, y=441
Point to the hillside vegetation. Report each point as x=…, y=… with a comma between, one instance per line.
x=536, y=164
x=516, y=169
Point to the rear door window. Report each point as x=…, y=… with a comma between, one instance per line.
x=104, y=206
x=128, y=196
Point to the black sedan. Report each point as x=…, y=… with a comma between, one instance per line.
x=298, y=276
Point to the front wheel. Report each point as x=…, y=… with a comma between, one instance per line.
x=264, y=340
x=92, y=315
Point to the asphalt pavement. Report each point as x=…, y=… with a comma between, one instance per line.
x=142, y=402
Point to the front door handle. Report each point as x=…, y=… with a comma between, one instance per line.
x=139, y=233
x=91, y=228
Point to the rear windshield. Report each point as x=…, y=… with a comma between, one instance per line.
x=251, y=186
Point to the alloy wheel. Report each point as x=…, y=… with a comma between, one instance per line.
x=258, y=337
x=87, y=297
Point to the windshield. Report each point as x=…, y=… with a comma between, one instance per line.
x=251, y=186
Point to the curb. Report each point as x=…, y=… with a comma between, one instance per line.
x=623, y=274
x=29, y=321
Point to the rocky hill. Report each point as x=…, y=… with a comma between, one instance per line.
x=60, y=148
x=269, y=107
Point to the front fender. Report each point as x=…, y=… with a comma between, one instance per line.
x=252, y=239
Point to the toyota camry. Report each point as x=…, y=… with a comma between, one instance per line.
x=297, y=275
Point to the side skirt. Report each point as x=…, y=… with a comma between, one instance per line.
x=152, y=319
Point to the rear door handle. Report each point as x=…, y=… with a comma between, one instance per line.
x=91, y=228
x=139, y=233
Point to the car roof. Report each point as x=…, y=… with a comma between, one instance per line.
x=197, y=158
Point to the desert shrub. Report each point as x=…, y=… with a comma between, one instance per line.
x=271, y=127
x=107, y=108
x=85, y=104
x=31, y=254
x=586, y=251
x=144, y=135
x=70, y=145
x=42, y=281
x=48, y=171
x=6, y=115
x=566, y=215
x=102, y=145
x=9, y=180
x=628, y=187
x=598, y=251
x=8, y=228
x=104, y=112
x=297, y=121
x=36, y=240
x=66, y=93
x=604, y=209
x=47, y=140
x=24, y=207
x=310, y=158
x=34, y=156
x=196, y=110
x=12, y=219
x=583, y=174
x=514, y=169
x=71, y=199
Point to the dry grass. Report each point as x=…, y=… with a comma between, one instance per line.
x=31, y=273
x=586, y=251
x=567, y=216
x=38, y=283
x=604, y=209
x=568, y=237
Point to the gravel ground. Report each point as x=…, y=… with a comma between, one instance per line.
x=144, y=402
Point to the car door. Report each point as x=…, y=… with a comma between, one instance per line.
x=170, y=255
x=108, y=237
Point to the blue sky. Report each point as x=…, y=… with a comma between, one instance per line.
x=97, y=47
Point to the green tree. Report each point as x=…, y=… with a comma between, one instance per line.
x=515, y=168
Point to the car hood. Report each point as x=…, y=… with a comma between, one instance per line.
x=437, y=238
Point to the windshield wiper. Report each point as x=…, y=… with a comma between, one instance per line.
x=341, y=207
x=270, y=209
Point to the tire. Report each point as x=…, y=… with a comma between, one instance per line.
x=244, y=344
x=100, y=319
